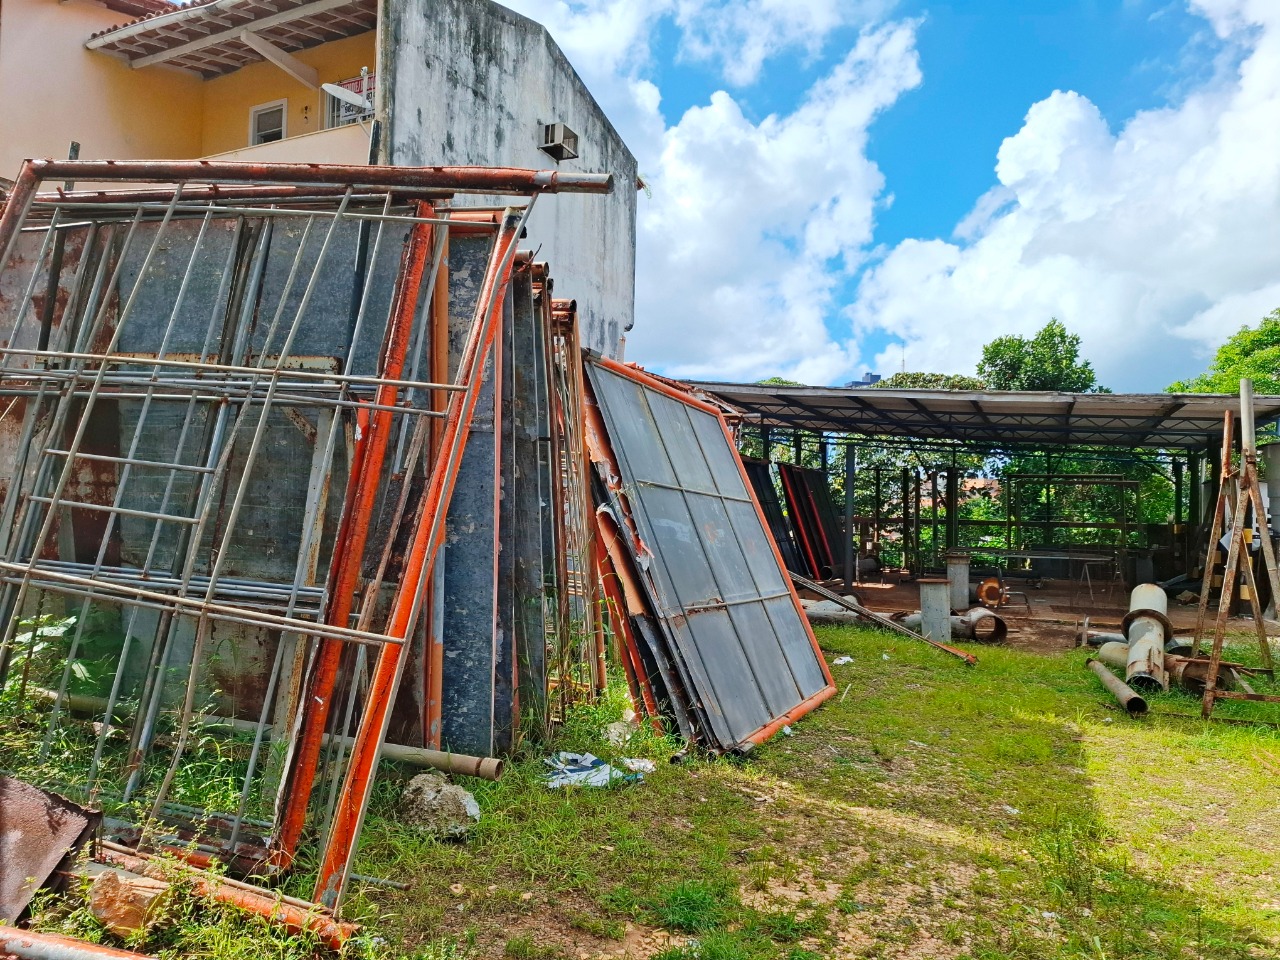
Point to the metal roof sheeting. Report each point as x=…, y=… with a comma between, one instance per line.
x=206, y=36
x=998, y=418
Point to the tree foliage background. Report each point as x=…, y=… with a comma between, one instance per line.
x=1252, y=352
x=1048, y=361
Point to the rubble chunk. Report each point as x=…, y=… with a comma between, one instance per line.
x=126, y=903
x=433, y=804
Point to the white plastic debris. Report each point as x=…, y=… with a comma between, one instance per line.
x=639, y=765
x=587, y=770
x=1012, y=811
x=884, y=656
x=841, y=661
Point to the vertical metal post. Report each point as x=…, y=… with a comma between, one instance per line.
x=1195, y=491
x=906, y=518
x=953, y=500
x=797, y=453
x=876, y=505
x=766, y=443
x=824, y=453
x=850, y=534
x=933, y=531
x=1177, y=495
x=919, y=488
x=1048, y=499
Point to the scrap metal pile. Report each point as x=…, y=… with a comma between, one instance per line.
x=301, y=470
x=273, y=434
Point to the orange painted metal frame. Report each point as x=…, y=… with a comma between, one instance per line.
x=353, y=534
x=418, y=569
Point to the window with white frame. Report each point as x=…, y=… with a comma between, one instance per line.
x=267, y=122
x=356, y=106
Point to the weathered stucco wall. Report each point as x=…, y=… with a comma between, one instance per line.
x=53, y=91
x=470, y=82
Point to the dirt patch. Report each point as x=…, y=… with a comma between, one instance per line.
x=802, y=890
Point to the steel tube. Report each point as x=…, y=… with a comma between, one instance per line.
x=47, y=946
x=1148, y=629
x=494, y=180
x=1115, y=653
x=285, y=911
x=1126, y=695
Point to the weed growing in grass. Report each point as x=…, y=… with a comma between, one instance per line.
x=693, y=906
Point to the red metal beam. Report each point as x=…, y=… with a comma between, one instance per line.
x=495, y=180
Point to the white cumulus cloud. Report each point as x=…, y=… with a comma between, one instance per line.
x=1155, y=241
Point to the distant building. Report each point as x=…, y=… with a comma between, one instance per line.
x=868, y=379
x=450, y=82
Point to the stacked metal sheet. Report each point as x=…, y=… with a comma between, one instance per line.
x=714, y=637
x=813, y=517
x=276, y=438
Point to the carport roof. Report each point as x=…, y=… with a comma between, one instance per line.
x=997, y=418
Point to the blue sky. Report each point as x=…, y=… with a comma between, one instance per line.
x=1112, y=162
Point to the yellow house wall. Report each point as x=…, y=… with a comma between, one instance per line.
x=228, y=100
x=53, y=91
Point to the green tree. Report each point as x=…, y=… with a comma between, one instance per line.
x=912, y=380
x=1252, y=352
x=1048, y=361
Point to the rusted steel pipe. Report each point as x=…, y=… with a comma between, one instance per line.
x=497, y=180
x=1114, y=653
x=47, y=946
x=1148, y=628
x=1126, y=695
x=287, y=912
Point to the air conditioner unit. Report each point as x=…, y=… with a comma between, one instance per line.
x=559, y=141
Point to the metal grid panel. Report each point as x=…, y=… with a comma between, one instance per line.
x=157, y=536
x=737, y=635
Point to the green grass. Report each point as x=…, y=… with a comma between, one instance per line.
x=1002, y=812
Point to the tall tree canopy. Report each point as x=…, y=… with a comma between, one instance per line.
x=915, y=380
x=1048, y=361
x=1252, y=352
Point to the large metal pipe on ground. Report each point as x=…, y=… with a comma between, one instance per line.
x=1128, y=698
x=486, y=768
x=1114, y=653
x=979, y=624
x=1148, y=628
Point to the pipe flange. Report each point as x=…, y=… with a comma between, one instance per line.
x=1155, y=615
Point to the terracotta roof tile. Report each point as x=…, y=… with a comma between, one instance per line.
x=139, y=8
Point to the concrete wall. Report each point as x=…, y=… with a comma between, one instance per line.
x=53, y=91
x=470, y=82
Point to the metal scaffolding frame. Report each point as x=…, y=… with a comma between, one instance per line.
x=166, y=351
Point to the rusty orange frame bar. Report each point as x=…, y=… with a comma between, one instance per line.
x=420, y=560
